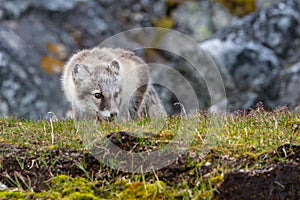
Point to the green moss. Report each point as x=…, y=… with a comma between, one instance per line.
x=44, y=195
x=140, y=190
x=73, y=188
x=12, y=195
x=81, y=196
x=62, y=187
x=9, y=195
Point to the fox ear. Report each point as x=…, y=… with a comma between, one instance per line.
x=80, y=72
x=114, y=67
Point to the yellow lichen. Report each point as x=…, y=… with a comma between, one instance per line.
x=173, y=3
x=57, y=50
x=51, y=65
x=165, y=22
x=216, y=180
x=51, y=147
x=239, y=8
x=251, y=156
x=76, y=34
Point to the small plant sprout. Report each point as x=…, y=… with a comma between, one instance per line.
x=52, y=117
x=182, y=108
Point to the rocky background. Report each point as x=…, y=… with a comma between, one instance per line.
x=255, y=44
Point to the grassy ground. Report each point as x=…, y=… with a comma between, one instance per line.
x=51, y=160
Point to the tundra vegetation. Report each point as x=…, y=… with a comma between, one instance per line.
x=256, y=157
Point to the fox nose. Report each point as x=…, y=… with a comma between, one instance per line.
x=113, y=114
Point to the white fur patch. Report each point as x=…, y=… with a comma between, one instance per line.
x=105, y=114
x=96, y=91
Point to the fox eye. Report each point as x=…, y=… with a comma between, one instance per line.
x=115, y=64
x=98, y=95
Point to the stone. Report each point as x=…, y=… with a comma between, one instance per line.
x=289, y=89
x=200, y=19
x=254, y=51
x=29, y=30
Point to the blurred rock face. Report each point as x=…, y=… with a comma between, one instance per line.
x=37, y=37
x=290, y=86
x=254, y=52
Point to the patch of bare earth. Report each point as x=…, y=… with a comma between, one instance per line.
x=276, y=181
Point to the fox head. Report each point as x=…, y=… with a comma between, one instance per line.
x=98, y=88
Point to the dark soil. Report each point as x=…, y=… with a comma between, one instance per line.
x=280, y=182
x=277, y=180
x=39, y=166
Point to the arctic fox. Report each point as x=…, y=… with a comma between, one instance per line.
x=106, y=83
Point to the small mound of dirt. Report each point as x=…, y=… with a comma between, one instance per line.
x=280, y=182
x=33, y=168
x=277, y=181
x=130, y=142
